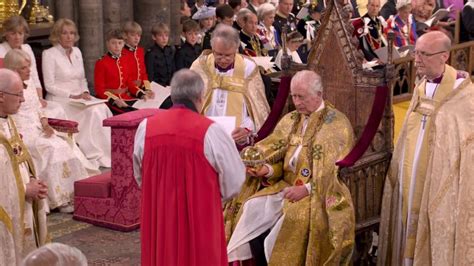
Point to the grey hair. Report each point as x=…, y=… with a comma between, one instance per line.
x=8, y=78
x=264, y=10
x=309, y=78
x=227, y=33
x=14, y=58
x=186, y=85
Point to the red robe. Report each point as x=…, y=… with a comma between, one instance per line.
x=181, y=220
x=135, y=59
x=111, y=75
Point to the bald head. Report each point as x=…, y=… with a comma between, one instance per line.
x=436, y=38
x=9, y=78
x=11, y=92
x=431, y=54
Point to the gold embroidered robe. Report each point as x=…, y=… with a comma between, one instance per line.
x=441, y=229
x=22, y=222
x=318, y=229
x=243, y=86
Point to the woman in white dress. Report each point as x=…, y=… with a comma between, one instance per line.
x=64, y=79
x=265, y=30
x=57, y=162
x=15, y=32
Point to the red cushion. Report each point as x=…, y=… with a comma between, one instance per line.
x=95, y=186
x=62, y=125
x=129, y=119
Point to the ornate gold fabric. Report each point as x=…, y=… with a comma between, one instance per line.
x=18, y=155
x=240, y=87
x=444, y=172
x=319, y=229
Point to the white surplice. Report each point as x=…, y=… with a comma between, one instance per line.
x=64, y=77
x=52, y=109
x=58, y=162
x=15, y=243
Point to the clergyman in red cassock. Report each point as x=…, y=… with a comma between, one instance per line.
x=187, y=165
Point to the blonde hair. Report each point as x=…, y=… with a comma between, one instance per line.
x=14, y=58
x=132, y=27
x=160, y=28
x=57, y=30
x=14, y=24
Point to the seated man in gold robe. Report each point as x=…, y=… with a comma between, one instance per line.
x=22, y=215
x=233, y=85
x=305, y=213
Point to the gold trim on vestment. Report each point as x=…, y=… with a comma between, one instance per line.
x=6, y=220
x=235, y=85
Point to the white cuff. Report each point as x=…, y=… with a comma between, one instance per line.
x=270, y=170
x=308, y=187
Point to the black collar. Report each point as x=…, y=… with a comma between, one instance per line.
x=130, y=48
x=113, y=55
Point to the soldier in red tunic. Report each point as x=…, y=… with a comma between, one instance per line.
x=111, y=76
x=134, y=58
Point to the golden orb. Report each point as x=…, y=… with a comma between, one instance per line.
x=252, y=157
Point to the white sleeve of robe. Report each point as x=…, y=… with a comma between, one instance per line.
x=220, y=151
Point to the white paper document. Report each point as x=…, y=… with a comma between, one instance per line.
x=82, y=102
x=226, y=122
x=382, y=54
x=161, y=93
x=264, y=61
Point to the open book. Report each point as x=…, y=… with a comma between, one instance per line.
x=161, y=93
x=82, y=102
x=437, y=16
x=382, y=52
x=264, y=61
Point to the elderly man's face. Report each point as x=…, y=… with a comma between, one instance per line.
x=11, y=100
x=250, y=26
x=429, y=58
x=304, y=99
x=285, y=7
x=224, y=53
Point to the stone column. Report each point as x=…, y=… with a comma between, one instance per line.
x=92, y=35
x=175, y=25
x=111, y=15
x=126, y=10
x=64, y=9
x=149, y=12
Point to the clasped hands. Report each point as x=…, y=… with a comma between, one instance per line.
x=36, y=189
x=293, y=193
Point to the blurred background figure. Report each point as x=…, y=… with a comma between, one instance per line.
x=55, y=254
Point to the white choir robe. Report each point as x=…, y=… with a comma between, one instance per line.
x=219, y=150
x=14, y=245
x=218, y=105
x=63, y=78
x=430, y=90
x=52, y=109
x=57, y=161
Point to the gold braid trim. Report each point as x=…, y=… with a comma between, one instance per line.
x=6, y=220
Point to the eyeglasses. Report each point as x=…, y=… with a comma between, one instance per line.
x=222, y=56
x=14, y=94
x=425, y=54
